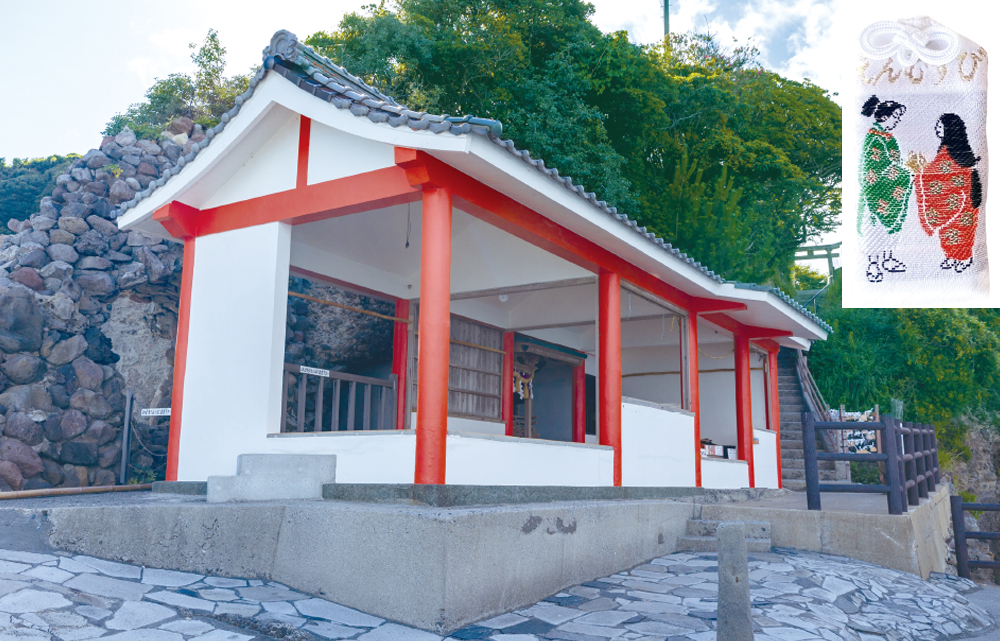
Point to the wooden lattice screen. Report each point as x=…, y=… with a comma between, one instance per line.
x=475, y=369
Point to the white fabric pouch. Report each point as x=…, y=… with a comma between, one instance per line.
x=923, y=168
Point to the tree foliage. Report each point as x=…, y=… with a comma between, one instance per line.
x=203, y=97
x=24, y=183
x=944, y=364
x=729, y=162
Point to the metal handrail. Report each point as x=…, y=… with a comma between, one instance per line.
x=958, y=509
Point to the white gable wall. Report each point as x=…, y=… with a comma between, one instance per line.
x=236, y=348
x=335, y=154
x=269, y=169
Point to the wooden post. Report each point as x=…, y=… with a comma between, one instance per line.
x=695, y=394
x=810, y=462
x=910, y=467
x=961, y=548
x=579, y=404
x=435, y=330
x=180, y=361
x=920, y=447
x=507, y=384
x=609, y=326
x=772, y=367
x=400, y=356
x=892, y=466
x=744, y=412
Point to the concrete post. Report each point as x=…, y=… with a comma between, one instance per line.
x=734, y=617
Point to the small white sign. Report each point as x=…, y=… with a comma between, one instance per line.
x=156, y=411
x=315, y=371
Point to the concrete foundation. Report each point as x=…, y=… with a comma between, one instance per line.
x=914, y=542
x=440, y=568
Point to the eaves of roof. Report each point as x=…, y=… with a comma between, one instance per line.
x=322, y=78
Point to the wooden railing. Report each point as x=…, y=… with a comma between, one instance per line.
x=958, y=510
x=320, y=405
x=909, y=452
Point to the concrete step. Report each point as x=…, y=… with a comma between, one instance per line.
x=754, y=529
x=792, y=408
x=711, y=544
x=796, y=463
x=795, y=485
x=800, y=474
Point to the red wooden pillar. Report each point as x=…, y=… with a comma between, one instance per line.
x=400, y=355
x=507, y=384
x=694, y=394
x=775, y=417
x=579, y=404
x=609, y=380
x=744, y=412
x=435, y=330
x=180, y=361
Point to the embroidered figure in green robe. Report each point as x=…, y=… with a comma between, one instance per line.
x=886, y=183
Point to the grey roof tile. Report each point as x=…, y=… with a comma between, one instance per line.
x=324, y=79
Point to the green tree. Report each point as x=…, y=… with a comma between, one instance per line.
x=25, y=182
x=202, y=98
x=944, y=364
x=807, y=278
x=729, y=162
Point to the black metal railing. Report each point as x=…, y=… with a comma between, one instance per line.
x=909, y=453
x=320, y=400
x=958, y=510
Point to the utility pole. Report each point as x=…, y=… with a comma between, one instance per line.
x=666, y=18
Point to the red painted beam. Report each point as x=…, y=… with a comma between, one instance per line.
x=435, y=334
x=695, y=393
x=302, y=169
x=609, y=360
x=775, y=417
x=706, y=305
x=341, y=197
x=768, y=344
x=579, y=404
x=746, y=331
x=180, y=361
x=525, y=223
x=400, y=359
x=507, y=384
x=744, y=411
x=180, y=220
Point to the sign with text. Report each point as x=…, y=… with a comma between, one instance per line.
x=315, y=371
x=156, y=411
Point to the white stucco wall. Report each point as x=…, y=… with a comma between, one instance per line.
x=232, y=384
x=386, y=456
x=765, y=459
x=723, y=474
x=471, y=425
x=336, y=154
x=657, y=447
x=489, y=460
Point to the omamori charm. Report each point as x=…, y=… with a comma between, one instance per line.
x=923, y=167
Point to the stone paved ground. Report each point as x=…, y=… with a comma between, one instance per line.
x=796, y=595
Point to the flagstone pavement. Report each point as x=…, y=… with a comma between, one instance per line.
x=796, y=596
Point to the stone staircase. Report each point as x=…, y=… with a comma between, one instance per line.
x=701, y=536
x=791, y=404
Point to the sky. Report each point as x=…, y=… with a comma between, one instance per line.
x=82, y=62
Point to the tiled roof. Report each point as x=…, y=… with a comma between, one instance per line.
x=328, y=81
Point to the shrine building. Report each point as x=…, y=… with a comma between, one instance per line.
x=539, y=336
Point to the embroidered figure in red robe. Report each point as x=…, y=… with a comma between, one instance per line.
x=949, y=194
